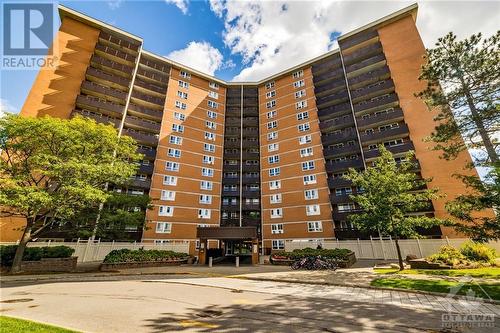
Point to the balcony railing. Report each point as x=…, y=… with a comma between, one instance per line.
x=148, y=98
x=94, y=103
x=233, y=101
x=233, y=121
x=336, y=199
x=357, y=39
x=331, y=63
x=250, y=156
x=92, y=87
x=142, y=137
x=232, y=155
x=328, y=75
x=249, y=221
x=336, y=98
x=332, y=166
x=143, y=184
x=250, y=180
x=161, y=67
x=251, y=132
x=329, y=125
x=113, y=79
x=250, y=111
x=251, y=194
x=119, y=41
x=373, y=89
x=334, y=111
x=384, y=135
x=365, y=63
x=338, y=182
x=150, y=86
x=143, y=124
x=98, y=118
x=146, y=169
x=148, y=153
x=99, y=61
x=402, y=148
x=345, y=150
x=230, y=180
x=107, y=50
x=145, y=112
x=232, y=144
x=253, y=121
x=230, y=192
x=228, y=207
x=363, y=53
x=250, y=206
x=339, y=137
x=155, y=76
x=250, y=144
x=396, y=114
x=333, y=85
x=380, y=101
x=231, y=168
x=372, y=76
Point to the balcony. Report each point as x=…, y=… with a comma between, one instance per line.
x=332, y=166
x=251, y=168
x=251, y=132
x=250, y=144
x=233, y=101
x=99, y=105
x=250, y=156
x=328, y=75
x=250, y=222
x=104, y=36
x=400, y=131
x=232, y=144
x=247, y=101
x=370, y=77
x=250, y=111
x=232, y=155
x=117, y=55
x=117, y=68
x=330, y=125
x=345, y=150
x=148, y=99
x=365, y=63
x=148, y=153
x=114, y=81
x=357, y=39
x=141, y=137
x=334, y=111
x=233, y=121
x=230, y=192
x=403, y=148
x=102, y=119
x=228, y=207
x=339, y=137
x=334, y=183
x=250, y=121
x=142, y=184
x=102, y=91
x=363, y=53
x=250, y=180
x=342, y=216
x=150, y=86
x=395, y=115
x=333, y=86
x=348, y=233
x=156, y=65
x=373, y=89
x=251, y=206
x=251, y=194
x=231, y=168
x=146, y=169
x=329, y=64
x=233, y=111
x=156, y=76
x=389, y=100
x=332, y=99
x=230, y=180
x=142, y=124
x=336, y=199
x=141, y=111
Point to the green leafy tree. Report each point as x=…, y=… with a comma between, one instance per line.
x=391, y=196
x=463, y=85
x=53, y=168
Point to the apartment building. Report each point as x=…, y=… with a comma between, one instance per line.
x=246, y=166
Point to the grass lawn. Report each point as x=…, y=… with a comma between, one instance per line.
x=14, y=325
x=492, y=290
x=484, y=272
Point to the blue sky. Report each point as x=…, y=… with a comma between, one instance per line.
x=249, y=40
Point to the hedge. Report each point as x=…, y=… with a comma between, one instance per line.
x=8, y=252
x=338, y=254
x=141, y=255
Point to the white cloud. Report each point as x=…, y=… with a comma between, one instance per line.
x=114, y=4
x=199, y=55
x=6, y=106
x=181, y=4
x=272, y=36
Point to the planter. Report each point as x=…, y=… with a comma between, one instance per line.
x=424, y=264
x=124, y=265
x=49, y=265
x=346, y=263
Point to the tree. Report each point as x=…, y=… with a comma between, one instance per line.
x=391, y=197
x=53, y=168
x=463, y=85
x=468, y=107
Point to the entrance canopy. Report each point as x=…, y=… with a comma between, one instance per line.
x=226, y=233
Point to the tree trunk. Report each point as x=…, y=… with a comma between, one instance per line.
x=400, y=258
x=18, y=257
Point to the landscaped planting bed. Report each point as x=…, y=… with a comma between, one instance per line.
x=124, y=258
x=40, y=259
x=343, y=257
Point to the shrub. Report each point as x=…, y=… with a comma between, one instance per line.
x=141, y=255
x=8, y=252
x=448, y=255
x=478, y=252
x=337, y=254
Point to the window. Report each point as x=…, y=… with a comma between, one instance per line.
x=273, y=159
x=345, y=207
x=276, y=213
x=185, y=74
x=272, y=124
x=167, y=195
x=298, y=74
x=176, y=140
x=271, y=94
x=208, y=159
x=174, y=152
x=275, y=198
x=207, y=172
x=211, y=114
x=277, y=228
x=278, y=244
x=274, y=172
x=209, y=136
x=309, y=165
x=270, y=85
x=180, y=105
x=271, y=104
x=304, y=152
x=204, y=213
x=309, y=179
x=298, y=84
x=392, y=143
x=315, y=226
x=213, y=104
x=313, y=210
x=205, y=199
x=369, y=131
x=305, y=139
x=372, y=147
x=172, y=166
x=179, y=116
x=273, y=147
x=272, y=136
x=311, y=194
x=388, y=127
x=304, y=127
x=183, y=84
x=210, y=124
x=182, y=94
x=302, y=115
x=178, y=128
x=343, y=191
x=209, y=147
x=300, y=93
x=170, y=180
x=300, y=105
x=206, y=185
x=213, y=85
x=271, y=114
x=163, y=227
x=213, y=94
x=166, y=211
x=275, y=184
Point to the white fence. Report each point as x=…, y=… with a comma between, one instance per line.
x=96, y=251
x=376, y=248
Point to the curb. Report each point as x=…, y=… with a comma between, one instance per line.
x=410, y=291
